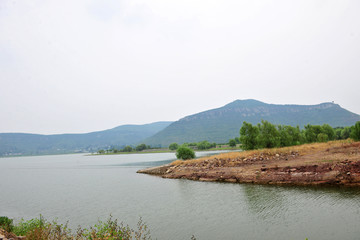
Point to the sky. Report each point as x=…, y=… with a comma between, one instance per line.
x=88, y=65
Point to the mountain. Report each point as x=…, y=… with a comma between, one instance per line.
x=36, y=144
x=221, y=124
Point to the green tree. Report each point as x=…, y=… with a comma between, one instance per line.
x=185, y=153
x=311, y=132
x=173, y=146
x=355, y=131
x=232, y=143
x=101, y=151
x=345, y=133
x=328, y=130
x=286, y=135
x=204, y=145
x=322, y=137
x=269, y=136
x=127, y=149
x=248, y=135
x=141, y=147
x=338, y=133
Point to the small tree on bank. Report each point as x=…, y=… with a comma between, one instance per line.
x=355, y=131
x=173, y=146
x=185, y=153
x=248, y=134
x=127, y=149
x=232, y=143
x=141, y=147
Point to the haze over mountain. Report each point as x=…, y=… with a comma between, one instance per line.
x=36, y=144
x=221, y=124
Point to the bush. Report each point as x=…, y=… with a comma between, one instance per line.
x=185, y=153
x=248, y=135
x=127, y=149
x=173, y=146
x=6, y=223
x=269, y=136
x=329, y=131
x=232, y=143
x=41, y=229
x=141, y=147
x=355, y=131
x=322, y=137
x=24, y=227
x=345, y=133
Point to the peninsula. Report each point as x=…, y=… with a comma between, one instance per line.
x=331, y=163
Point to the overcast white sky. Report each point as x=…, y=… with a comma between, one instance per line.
x=86, y=65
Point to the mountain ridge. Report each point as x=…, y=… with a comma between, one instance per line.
x=221, y=124
x=39, y=144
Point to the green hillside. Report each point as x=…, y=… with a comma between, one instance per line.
x=36, y=144
x=221, y=124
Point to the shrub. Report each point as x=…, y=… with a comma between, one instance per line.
x=127, y=149
x=204, y=145
x=248, y=134
x=6, y=223
x=345, y=133
x=355, y=131
x=269, y=136
x=24, y=227
x=185, y=153
x=322, y=137
x=41, y=229
x=141, y=147
x=329, y=131
x=232, y=143
x=173, y=146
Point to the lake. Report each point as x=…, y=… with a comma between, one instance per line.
x=82, y=189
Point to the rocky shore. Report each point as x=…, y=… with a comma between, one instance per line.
x=332, y=163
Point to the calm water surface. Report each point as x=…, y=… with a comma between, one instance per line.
x=83, y=189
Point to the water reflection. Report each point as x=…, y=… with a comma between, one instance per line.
x=277, y=202
x=266, y=202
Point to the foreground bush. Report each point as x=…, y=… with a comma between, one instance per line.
x=41, y=229
x=6, y=224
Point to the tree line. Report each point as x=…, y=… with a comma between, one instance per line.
x=268, y=135
x=127, y=148
x=203, y=145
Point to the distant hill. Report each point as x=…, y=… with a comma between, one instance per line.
x=221, y=124
x=36, y=144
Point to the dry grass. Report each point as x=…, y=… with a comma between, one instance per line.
x=300, y=149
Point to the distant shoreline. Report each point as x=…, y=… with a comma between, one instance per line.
x=162, y=150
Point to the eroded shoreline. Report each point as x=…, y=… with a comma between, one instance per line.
x=332, y=163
